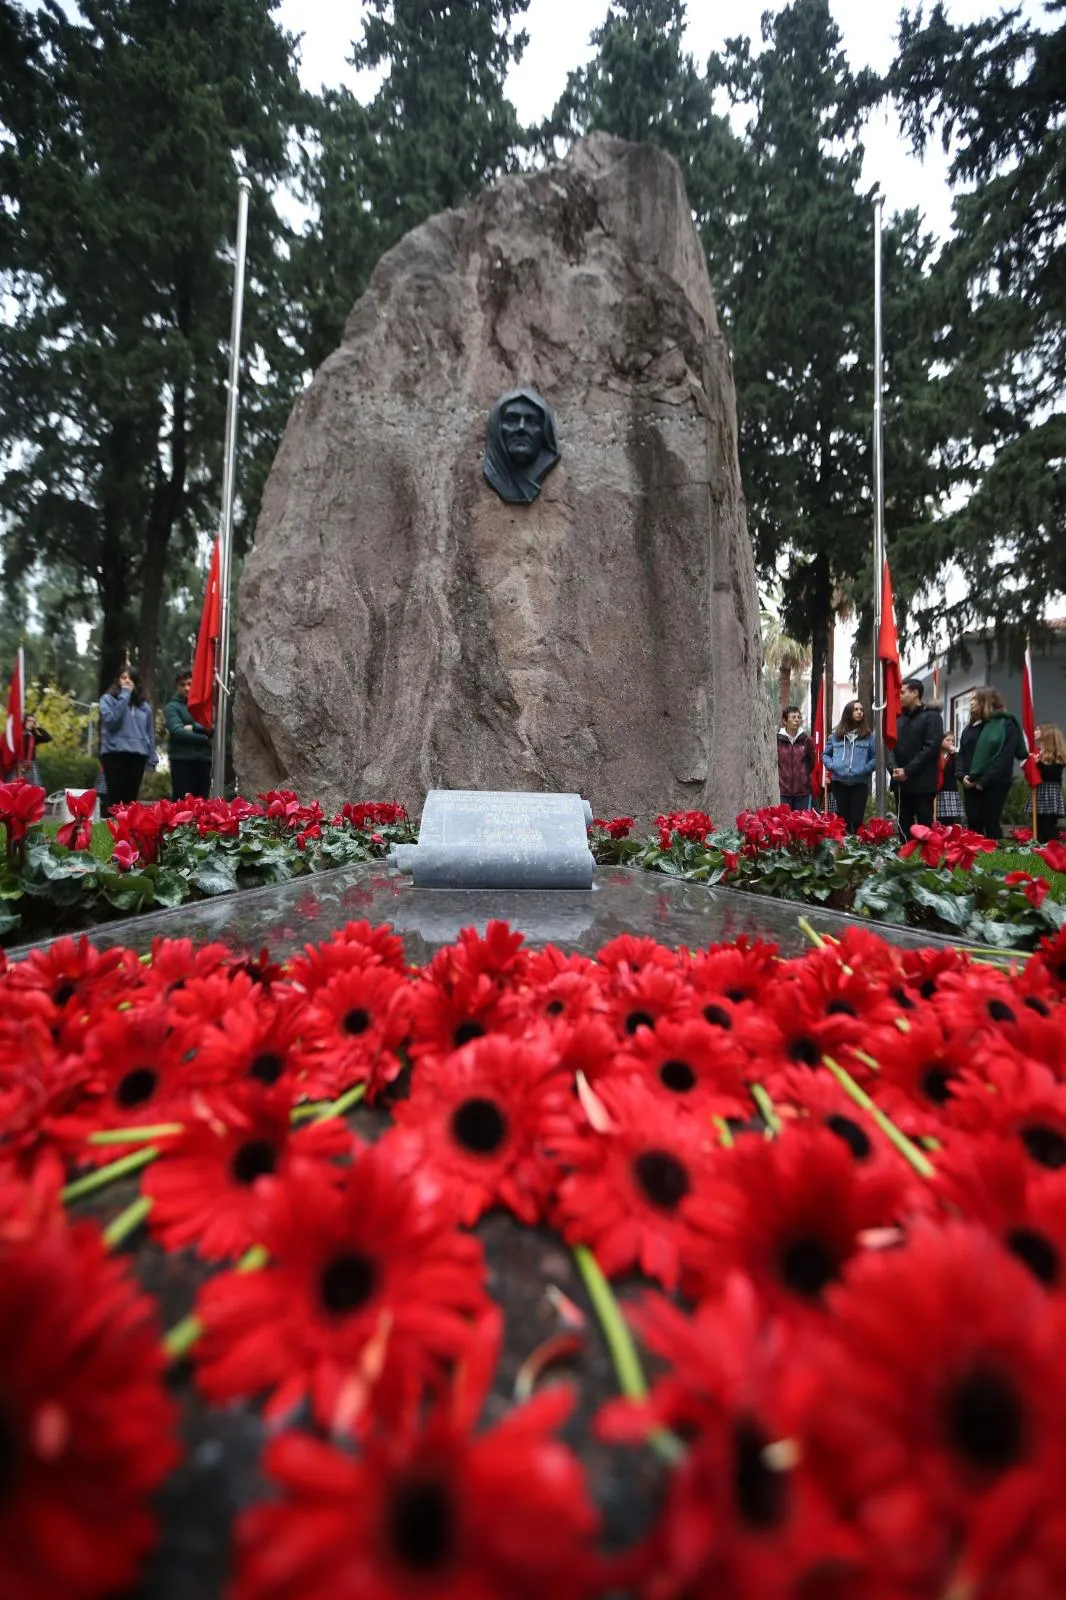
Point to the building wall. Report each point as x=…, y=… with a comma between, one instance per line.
x=988, y=669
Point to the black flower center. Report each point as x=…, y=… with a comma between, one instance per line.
x=266, y=1067
x=63, y=992
x=1036, y=1004
x=1037, y=1252
x=803, y=1049
x=841, y=1008
x=421, y=1525
x=678, y=1076
x=1045, y=1146
x=935, y=1083
x=347, y=1283
x=736, y=995
x=928, y=989
x=256, y=1158
x=355, y=1021
x=1000, y=1011
x=902, y=998
x=662, y=1178
x=638, y=1019
x=759, y=1491
x=856, y=1138
x=807, y=1266
x=466, y=1031
x=1060, y=972
x=479, y=1126
x=554, y=1008
x=986, y=1421
x=718, y=1017
x=136, y=1086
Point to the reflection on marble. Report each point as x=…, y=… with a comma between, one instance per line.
x=621, y=900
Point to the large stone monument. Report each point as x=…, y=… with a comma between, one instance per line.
x=434, y=600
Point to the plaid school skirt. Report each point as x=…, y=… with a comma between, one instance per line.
x=1049, y=799
x=949, y=806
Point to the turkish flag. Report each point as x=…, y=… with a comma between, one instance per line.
x=1030, y=766
x=11, y=740
x=202, y=689
x=888, y=656
x=818, y=735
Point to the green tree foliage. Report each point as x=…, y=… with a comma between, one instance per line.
x=121, y=131
x=439, y=128
x=996, y=94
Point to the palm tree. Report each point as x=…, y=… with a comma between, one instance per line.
x=782, y=656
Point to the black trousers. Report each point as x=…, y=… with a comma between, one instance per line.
x=914, y=808
x=123, y=771
x=189, y=777
x=1047, y=826
x=984, y=809
x=849, y=802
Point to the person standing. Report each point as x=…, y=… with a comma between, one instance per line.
x=795, y=761
x=990, y=758
x=850, y=759
x=916, y=757
x=1051, y=757
x=948, y=800
x=190, y=745
x=32, y=735
x=127, y=738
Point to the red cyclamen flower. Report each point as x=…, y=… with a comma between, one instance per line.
x=77, y=834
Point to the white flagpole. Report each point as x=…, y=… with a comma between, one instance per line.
x=881, y=775
x=229, y=474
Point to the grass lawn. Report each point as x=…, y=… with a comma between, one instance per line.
x=1007, y=860
x=102, y=844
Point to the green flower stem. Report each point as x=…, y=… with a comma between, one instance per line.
x=337, y=1108
x=624, y=1357
x=308, y=1109
x=127, y=1222
x=157, y=1130
x=184, y=1334
x=725, y=1133
x=810, y=933
x=109, y=1174
x=906, y=1147
x=766, y=1108
x=867, y=1061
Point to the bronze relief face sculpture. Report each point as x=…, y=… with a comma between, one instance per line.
x=520, y=445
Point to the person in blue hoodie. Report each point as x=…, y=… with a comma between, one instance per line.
x=850, y=758
x=127, y=738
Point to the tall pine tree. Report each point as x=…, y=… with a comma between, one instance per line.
x=996, y=93
x=124, y=128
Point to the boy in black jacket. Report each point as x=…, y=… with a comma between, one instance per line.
x=916, y=757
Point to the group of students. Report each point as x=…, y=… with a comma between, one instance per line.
x=127, y=740
x=932, y=778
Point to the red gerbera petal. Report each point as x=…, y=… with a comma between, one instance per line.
x=693, y=1066
x=367, y=1297
x=86, y=1427
x=351, y=1030
x=992, y=1181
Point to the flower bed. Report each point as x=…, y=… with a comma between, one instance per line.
x=833, y=1189
x=167, y=853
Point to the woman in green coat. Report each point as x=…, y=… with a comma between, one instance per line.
x=986, y=761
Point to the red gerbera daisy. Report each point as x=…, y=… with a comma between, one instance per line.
x=692, y=1065
x=438, y=1514
x=1016, y=1096
x=357, y=944
x=71, y=972
x=943, y=1415
x=86, y=1426
x=172, y=962
x=1051, y=958
x=477, y=1121
x=641, y=999
x=367, y=1297
x=992, y=1181
x=816, y=1098
x=631, y=953
x=744, y=1514
x=207, y=1190
x=257, y=1040
x=448, y=1010
x=351, y=1029
x=740, y=971
x=791, y=1212
x=565, y=997
x=920, y=1073
x=629, y=1178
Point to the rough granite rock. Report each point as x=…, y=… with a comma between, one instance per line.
x=400, y=627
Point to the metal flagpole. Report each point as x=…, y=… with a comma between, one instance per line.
x=229, y=474
x=881, y=776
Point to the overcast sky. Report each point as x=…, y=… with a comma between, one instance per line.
x=559, y=40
